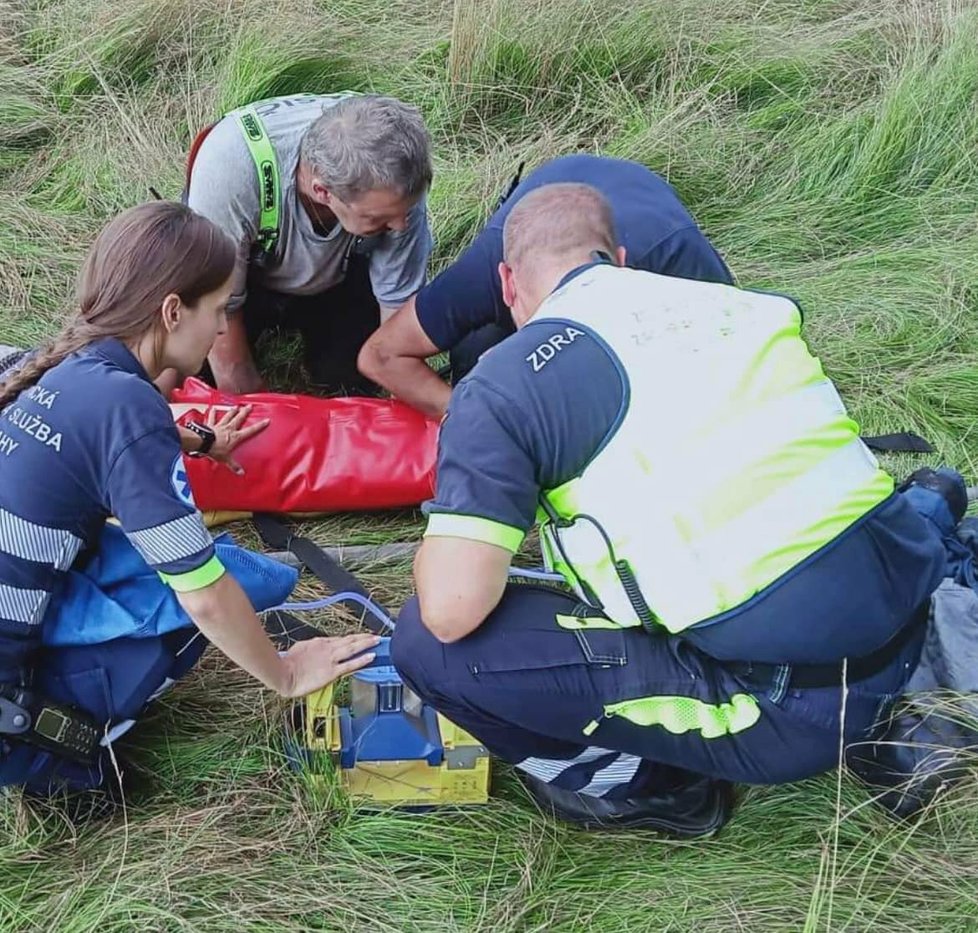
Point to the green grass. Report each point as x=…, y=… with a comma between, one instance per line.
x=828, y=147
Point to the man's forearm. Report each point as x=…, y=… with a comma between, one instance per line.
x=231, y=361
x=413, y=381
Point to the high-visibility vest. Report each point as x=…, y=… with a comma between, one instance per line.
x=731, y=462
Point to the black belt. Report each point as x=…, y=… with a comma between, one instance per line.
x=813, y=676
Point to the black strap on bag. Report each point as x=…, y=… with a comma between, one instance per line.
x=286, y=629
x=504, y=197
x=904, y=442
x=277, y=535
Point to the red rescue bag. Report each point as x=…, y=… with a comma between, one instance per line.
x=316, y=455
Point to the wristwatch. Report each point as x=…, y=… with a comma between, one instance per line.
x=206, y=435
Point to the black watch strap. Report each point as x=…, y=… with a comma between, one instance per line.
x=206, y=435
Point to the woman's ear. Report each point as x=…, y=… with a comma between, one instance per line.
x=171, y=312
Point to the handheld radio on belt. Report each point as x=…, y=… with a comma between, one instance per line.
x=64, y=730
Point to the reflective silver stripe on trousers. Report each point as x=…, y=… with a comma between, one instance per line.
x=619, y=771
x=26, y=606
x=172, y=541
x=40, y=543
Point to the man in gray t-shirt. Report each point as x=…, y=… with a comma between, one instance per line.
x=353, y=239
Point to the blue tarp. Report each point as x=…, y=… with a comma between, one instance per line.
x=117, y=595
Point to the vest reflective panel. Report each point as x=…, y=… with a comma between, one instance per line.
x=733, y=460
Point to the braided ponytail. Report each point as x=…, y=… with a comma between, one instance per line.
x=141, y=256
x=37, y=364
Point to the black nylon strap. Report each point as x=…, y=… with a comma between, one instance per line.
x=513, y=185
x=901, y=442
x=285, y=629
x=277, y=535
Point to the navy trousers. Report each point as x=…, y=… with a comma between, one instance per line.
x=535, y=695
x=113, y=681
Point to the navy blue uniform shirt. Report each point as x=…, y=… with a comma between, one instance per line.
x=658, y=233
x=93, y=438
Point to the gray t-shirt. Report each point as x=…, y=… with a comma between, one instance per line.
x=224, y=188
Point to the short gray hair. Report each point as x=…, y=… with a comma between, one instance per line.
x=558, y=221
x=367, y=142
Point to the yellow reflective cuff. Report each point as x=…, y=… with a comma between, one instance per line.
x=445, y=525
x=197, y=579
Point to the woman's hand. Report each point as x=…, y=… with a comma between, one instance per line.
x=317, y=662
x=225, y=615
x=229, y=433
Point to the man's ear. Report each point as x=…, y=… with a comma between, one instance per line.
x=321, y=194
x=509, y=288
x=171, y=312
x=620, y=255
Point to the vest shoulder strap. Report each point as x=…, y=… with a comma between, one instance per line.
x=269, y=186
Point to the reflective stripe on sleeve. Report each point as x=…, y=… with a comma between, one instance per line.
x=442, y=524
x=39, y=543
x=172, y=541
x=20, y=605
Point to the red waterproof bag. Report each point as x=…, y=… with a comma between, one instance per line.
x=316, y=455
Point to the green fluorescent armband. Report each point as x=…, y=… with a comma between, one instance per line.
x=197, y=579
x=441, y=524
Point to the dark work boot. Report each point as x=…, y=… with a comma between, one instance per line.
x=696, y=808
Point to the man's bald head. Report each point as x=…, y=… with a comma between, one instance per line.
x=556, y=224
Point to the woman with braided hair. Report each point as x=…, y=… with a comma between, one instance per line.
x=85, y=435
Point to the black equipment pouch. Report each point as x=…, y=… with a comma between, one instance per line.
x=904, y=442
